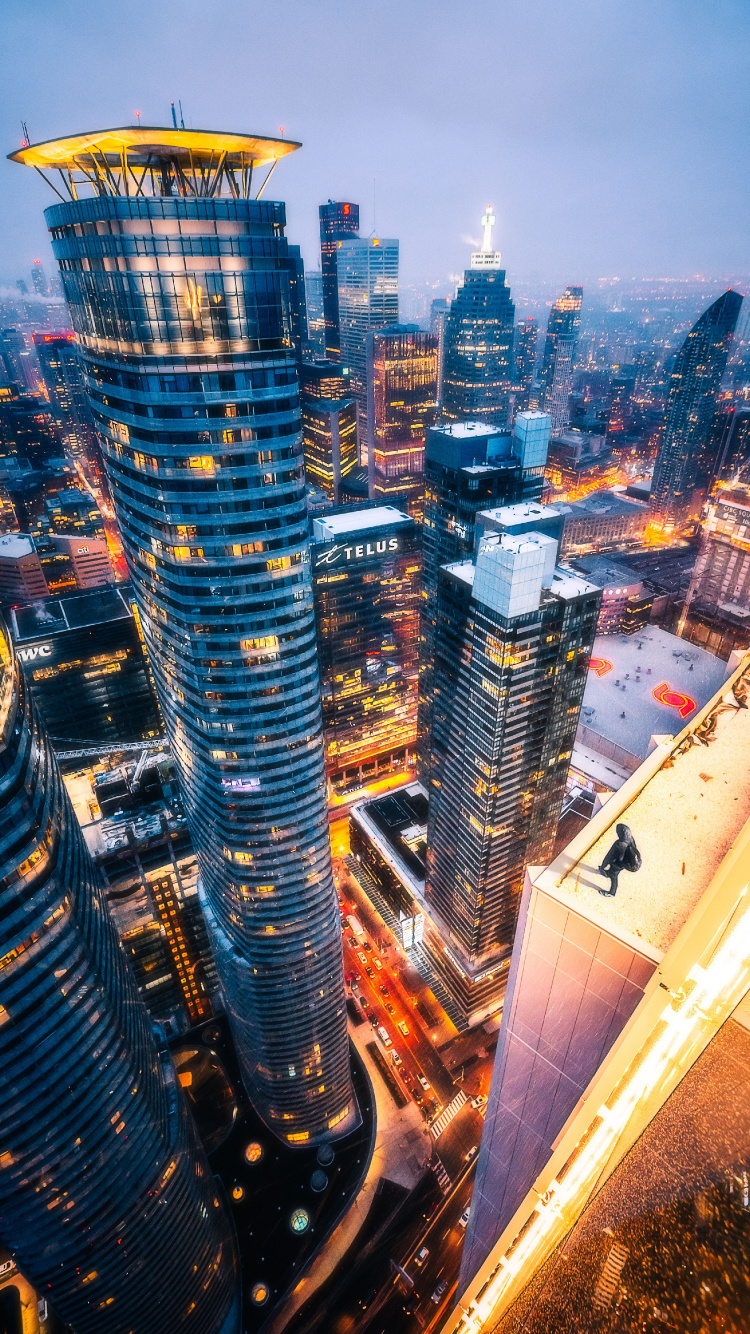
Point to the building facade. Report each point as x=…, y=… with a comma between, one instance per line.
x=602, y=519
x=338, y=222
x=366, y=578
x=514, y=635
x=86, y=668
x=559, y=355
x=107, y=1173
x=329, y=426
x=526, y=340
x=316, y=326
x=478, y=355
x=402, y=381
x=192, y=380
x=469, y=466
x=367, y=300
x=678, y=486
x=717, y=606
x=61, y=372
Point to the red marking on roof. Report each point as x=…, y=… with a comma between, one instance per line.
x=674, y=699
x=600, y=665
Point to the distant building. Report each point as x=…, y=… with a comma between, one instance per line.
x=316, y=325
x=526, y=339
x=639, y=686
x=727, y=450
x=717, y=606
x=28, y=431
x=367, y=300
x=35, y=566
x=338, y=222
x=402, y=393
x=86, y=667
x=17, y=360
x=626, y=602
x=21, y=574
x=439, y=311
x=678, y=487
x=297, y=301
x=469, y=466
x=579, y=462
x=514, y=635
x=61, y=373
x=329, y=426
x=71, y=512
x=478, y=355
x=366, y=581
x=39, y=278
x=559, y=355
x=602, y=519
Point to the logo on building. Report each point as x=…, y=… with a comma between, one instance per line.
x=36, y=651
x=340, y=554
x=674, y=699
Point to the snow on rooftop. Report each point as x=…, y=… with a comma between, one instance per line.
x=331, y=526
x=685, y=811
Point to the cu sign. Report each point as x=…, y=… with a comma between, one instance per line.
x=37, y=651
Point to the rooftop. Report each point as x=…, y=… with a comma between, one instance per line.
x=15, y=545
x=155, y=160
x=53, y=616
x=685, y=805
x=567, y=584
x=644, y=685
x=464, y=430
x=602, y=503
x=331, y=526
x=607, y=571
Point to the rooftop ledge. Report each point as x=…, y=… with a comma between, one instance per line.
x=686, y=805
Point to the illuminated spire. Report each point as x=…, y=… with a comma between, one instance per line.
x=488, y=222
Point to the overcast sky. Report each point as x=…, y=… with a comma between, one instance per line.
x=611, y=136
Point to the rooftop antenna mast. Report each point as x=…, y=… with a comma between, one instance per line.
x=174, y=116
x=182, y=119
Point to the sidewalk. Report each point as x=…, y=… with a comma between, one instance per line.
x=402, y=1150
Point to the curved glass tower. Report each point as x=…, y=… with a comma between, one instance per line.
x=107, y=1202
x=177, y=282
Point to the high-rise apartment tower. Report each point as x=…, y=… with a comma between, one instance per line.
x=179, y=297
x=676, y=491
x=559, y=353
x=402, y=377
x=368, y=300
x=338, y=221
x=107, y=1202
x=478, y=353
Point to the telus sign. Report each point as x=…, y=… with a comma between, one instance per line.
x=340, y=554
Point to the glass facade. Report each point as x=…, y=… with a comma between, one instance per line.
x=107, y=1203
x=526, y=339
x=402, y=388
x=559, y=352
x=478, y=357
x=691, y=401
x=368, y=300
x=366, y=577
x=338, y=221
x=181, y=309
x=61, y=371
x=329, y=426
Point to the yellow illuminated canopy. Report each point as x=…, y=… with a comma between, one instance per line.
x=139, y=160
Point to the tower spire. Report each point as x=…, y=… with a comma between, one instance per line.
x=488, y=222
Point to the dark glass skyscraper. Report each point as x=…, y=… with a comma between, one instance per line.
x=691, y=400
x=402, y=378
x=61, y=371
x=179, y=296
x=559, y=351
x=478, y=353
x=107, y=1202
x=526, y=338
x=337, y=222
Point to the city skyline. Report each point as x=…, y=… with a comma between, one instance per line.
x=632, y=176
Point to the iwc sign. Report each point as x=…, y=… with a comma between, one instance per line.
x=340, y=554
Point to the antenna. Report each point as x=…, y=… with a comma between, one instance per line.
x=182, y=122
x=174, y=116
x=26, y=139
x=138, y=117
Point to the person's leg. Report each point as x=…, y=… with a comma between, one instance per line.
x=613, y=874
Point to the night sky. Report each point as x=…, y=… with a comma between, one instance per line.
x=610, y=135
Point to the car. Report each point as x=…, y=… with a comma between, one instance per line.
x=361, y=956
x=374, y=1020
x=364, y=1002
x=420, y=1259
x=425, y=1113
x=424, y=1082
x=434, y=1106
x=403, y=1027
x=355, y=976
x=396, y=1058
x=468, y=1156
x=369, y=972
x=384, y=1036
x=384, y=990
x=405, y=1075
x=417, y=1096
x=438, y=1293
x=389, y=1007
x=479, y=1101
x=378, y=965
x=463, y=1220
x=353, y=942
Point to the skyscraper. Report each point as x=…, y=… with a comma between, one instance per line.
x=513, y=639
x=316, y=325
x=39, y=278
x=297, y=301
x=676, y=494
x=368, y=300
x=402, y=377
x=478, y=358
x=618, y=1120
x=439, y=310
x=338, y=221
x=526, y=339
x=107, y=1202
x=469, y=466
x=559, y=353
x=329, y=425
x=61, y=372
x=366, y=566
x=192, y=381
x=717, y=606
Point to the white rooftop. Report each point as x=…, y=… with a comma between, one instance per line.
x=331, y=526
x=463, y=570
x=567, y=584
x=463, y=430
x=15, y=545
